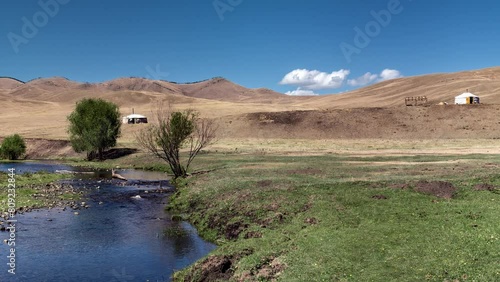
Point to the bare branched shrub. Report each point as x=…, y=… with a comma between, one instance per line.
x=172, y=130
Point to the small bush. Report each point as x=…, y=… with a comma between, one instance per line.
x=13, y=147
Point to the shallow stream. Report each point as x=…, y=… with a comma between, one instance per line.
x=125, y=234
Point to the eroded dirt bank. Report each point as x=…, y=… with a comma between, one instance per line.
x=433, y=122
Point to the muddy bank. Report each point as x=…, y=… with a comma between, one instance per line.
x=38, y=148
x=46, y=149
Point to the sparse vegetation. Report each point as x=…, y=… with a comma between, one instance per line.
x=174, y=130
x=12, y=147
x=30, y=184
x=94, y=127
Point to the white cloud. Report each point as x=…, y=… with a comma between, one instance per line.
x=388, y=74
x=315, y=80
x=366, y=79
x=309, y=80
x=301, y=92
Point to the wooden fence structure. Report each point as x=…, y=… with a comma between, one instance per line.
x=416, y=101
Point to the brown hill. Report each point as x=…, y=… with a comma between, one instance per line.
x=437, y=88
x=139, y=84
x=57, y=89
x=225, y=90
x=8, y=83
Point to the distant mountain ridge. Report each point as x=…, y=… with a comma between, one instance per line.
x=215, y=89
x=436, y=87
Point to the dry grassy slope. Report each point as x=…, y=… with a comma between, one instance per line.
x=59, y=89
x=49, y=101
x=437, y=88
x=7, y=83
x=224, y=90
x=434, y=122
x=139, y=84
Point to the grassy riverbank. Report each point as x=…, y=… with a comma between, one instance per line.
x=345, y=217
x=35, y=190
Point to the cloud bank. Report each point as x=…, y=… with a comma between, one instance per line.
x=369, y=78
x=309, y=80
x=315, y=80
x=388, y=74
x=301, y=92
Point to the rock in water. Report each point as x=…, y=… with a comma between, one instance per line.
x=116, y=175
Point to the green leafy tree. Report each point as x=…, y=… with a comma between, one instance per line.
x=13, y=147
x=174, y=130
x=94, y=127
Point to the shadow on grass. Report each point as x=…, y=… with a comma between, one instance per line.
x=117, y=153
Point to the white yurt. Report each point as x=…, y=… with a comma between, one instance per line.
x=466, y=98
x=134, y=118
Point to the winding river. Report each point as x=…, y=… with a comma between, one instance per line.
x=125, y=234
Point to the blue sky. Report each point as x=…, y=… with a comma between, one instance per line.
x=294, y=46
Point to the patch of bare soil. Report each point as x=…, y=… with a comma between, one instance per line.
x=276, y=218
x=264, y=183
x=268, y=270
x=44, y=148
x=484, y=187
x=311, y=220
x=395, y=122
x=440, y=189
x=253, y=234
x=286, y=118
x=379, y=197
x=305, y=171
x=274, y=206
x=402, y=186
x=233, y=230
x=215, y=268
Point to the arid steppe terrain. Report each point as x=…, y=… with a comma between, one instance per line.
x=38, y=108
x=346, y=187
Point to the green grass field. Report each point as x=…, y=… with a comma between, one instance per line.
x=341, y=218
